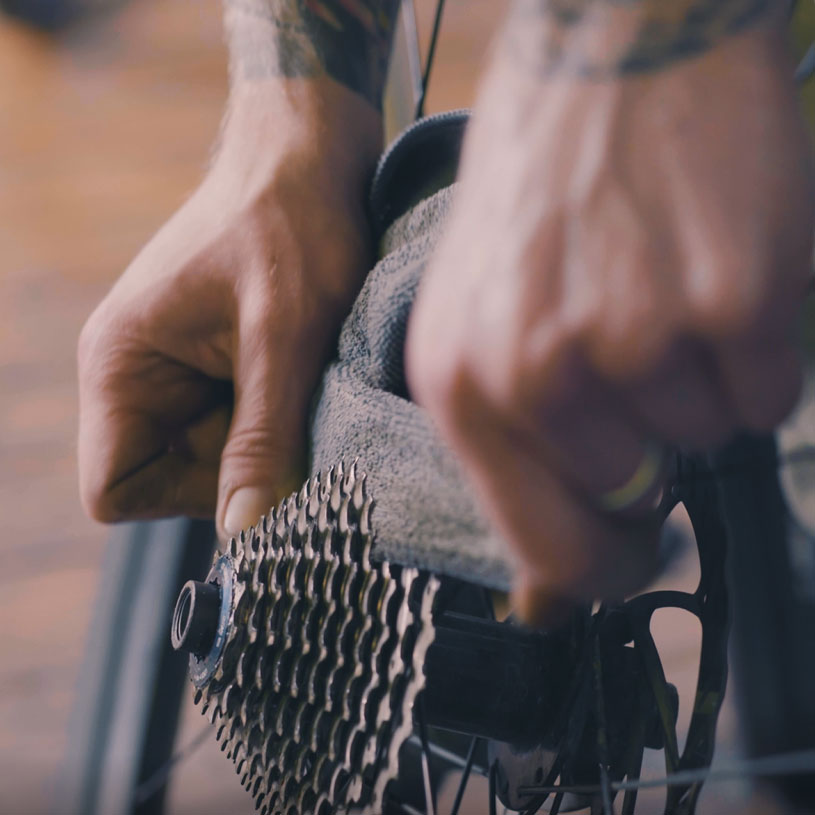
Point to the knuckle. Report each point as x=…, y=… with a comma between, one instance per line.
x=725, y=303
x=441, y=383
x=634, y=335
x=96, y=475
x=97, y=346
x=105, y=513
x=629, y=340
x=261, y=449
x=256, y=301
x=551, y=379
x=434, y=371
x=91, y=339
x=97, y=502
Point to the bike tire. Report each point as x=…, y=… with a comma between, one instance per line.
x=125, y=715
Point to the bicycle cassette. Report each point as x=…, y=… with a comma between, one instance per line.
x=307, y=655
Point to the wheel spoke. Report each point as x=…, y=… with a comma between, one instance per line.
x=602, y=728
x=656, y=676
x=491, y=788
x=427, y=778
x=633, y=760
x=557, y=802
x=465, y=777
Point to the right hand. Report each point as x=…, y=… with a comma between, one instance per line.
x=246, y=284
x=623, y=271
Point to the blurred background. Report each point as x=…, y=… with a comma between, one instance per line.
x=106, y=123
x=105, y=127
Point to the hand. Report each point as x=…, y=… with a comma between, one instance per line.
x=197, y=369
x=624, y=266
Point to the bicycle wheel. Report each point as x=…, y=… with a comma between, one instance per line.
x=123, y=724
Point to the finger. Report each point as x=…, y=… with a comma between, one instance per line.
x=537, y=607
x=595, y=448
x=175, y=473
x=582, y=428
x=133, y=406
x=684, y=402
x=763, y=381
x=168, y=485
x=626, y=316
x=263, y=456
x=568, y=548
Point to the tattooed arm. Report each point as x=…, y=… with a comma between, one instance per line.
x=346, y=40
x=606, y=39
x=197, y=369
x=632, y=239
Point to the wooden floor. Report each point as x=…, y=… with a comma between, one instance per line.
x=103, y=132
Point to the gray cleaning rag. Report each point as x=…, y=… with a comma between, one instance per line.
x=425, y=513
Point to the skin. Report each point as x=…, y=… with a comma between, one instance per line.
x=639, y=183
x=643, y=250
x=348, y=41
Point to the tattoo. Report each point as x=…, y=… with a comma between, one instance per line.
x=608, y=38
x=347, y=40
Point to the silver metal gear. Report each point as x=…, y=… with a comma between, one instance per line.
x=321, y=654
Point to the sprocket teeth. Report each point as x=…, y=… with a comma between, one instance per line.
x=323, y=659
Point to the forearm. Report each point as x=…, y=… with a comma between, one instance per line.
x=603, y=39
x=345, y=40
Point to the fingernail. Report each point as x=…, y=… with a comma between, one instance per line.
x=245, y=508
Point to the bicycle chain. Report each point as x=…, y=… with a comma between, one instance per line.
x=323, y=661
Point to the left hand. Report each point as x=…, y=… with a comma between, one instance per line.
x=623, y=268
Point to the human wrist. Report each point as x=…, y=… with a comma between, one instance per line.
x=605, y=40
x=332, y=130
x=348, y=42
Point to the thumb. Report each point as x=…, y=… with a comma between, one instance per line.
x=264, y=453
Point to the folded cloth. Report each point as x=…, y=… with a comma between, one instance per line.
x=425, y=513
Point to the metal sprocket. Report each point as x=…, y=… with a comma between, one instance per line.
x=314, y=688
